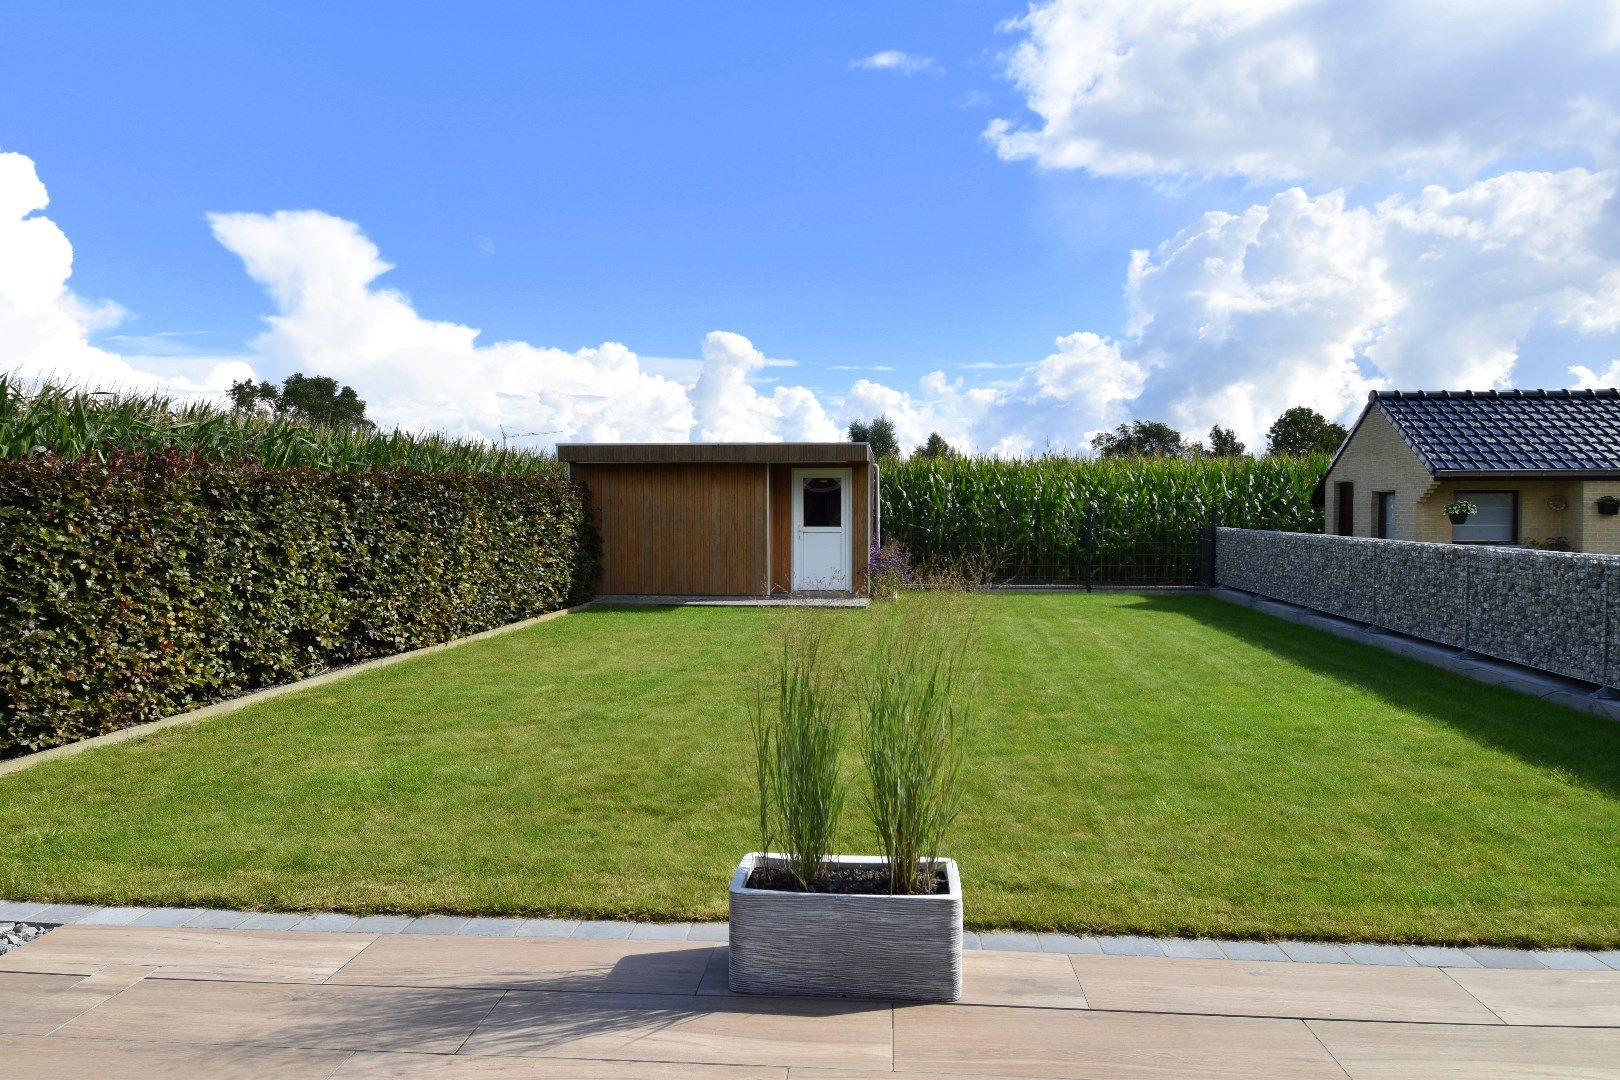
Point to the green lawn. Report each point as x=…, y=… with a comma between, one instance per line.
x=1164, y=764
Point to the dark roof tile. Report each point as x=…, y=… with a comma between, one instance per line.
x=1508, y=430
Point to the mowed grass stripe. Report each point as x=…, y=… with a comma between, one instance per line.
x=1140, y=764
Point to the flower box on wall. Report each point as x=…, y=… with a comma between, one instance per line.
x=846, y=944
x=1608, y=505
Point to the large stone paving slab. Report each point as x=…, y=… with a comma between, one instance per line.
x=979, y=1041
x=1234, y=988
x=1574, y=998
x=39, y=1004
x=1004, y=978
x=184, y=953
x=462, y=1067
x=99, y=1059
x=289, y=1014
x=1453, y=1052
x=631, y=967
x=708, y=1030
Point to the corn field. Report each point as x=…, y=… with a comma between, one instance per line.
x=78, y=424
x=1056, y=520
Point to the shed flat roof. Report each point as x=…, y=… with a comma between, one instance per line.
x=778, y=453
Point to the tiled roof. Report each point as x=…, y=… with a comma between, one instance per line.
x=1509, y=430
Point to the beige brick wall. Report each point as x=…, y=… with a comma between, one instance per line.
x=1537, y=519
x=1599, y=535
x=1378, y=459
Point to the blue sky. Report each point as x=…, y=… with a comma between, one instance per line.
x=646, y=174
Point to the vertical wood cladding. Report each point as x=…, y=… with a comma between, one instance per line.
x=680, y=530
x=781, y=528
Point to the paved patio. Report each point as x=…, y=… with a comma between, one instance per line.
x=134, y=1001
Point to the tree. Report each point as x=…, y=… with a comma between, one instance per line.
x=248, y=396
x=1223, y=442
x=935, y=448
x=312, y=399
x=879, y=434
x=1303, y=430
x=1140, y=438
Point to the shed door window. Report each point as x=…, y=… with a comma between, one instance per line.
x=1497, y=521
x=823, y=503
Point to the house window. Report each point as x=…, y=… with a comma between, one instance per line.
x=1497, y=521
x=1346, y=495
x=1384, y=511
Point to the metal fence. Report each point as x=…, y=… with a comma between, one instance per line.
x=1143, y=554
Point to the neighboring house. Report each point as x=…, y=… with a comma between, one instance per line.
x=1535, y=462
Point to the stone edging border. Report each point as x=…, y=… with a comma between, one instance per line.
x=221, y=708
x=1303, y=952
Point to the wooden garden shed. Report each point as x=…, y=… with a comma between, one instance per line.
x=730, y=519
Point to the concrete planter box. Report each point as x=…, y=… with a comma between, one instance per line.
x=834, y=945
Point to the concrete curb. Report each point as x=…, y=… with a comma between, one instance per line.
x=1297, y=952
x=1554, y=688
x=209, y=712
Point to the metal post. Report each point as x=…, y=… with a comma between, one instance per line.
x=1089, y=548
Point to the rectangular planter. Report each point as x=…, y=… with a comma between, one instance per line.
x=836, y=945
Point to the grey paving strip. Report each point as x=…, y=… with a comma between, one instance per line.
x=1069, y=944
x=1440, y=956
x=218, y=920
x=1009, y=941
x=1192, y=948
x=603, y=929
x=491, y=927
x=167, y=916
x=1314, y=952
x=1379, y=955
x=1505, y=958
x=113, y=916
x=1129, y=945
x=1252, y=950
x=270, y=921
x=548, y=928
x=1301, y=952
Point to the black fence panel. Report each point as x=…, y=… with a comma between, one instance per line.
x=1139, y=554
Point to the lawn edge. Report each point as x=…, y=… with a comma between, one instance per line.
x=221, y=708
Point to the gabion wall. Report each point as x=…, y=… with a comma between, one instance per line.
x=1552, y=610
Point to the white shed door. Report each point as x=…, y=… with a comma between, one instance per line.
x=821, y=529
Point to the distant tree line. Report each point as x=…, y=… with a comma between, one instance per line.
x=313, y=399
x=1299, y=431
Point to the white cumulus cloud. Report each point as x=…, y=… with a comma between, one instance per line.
x=45, y=327
x=729, y=409
x=895, y=60
x=1299, y=90
x=1587, y=379
x=1311, y=301
x=1298, y=299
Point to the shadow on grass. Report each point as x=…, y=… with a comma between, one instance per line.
x=1577, y=745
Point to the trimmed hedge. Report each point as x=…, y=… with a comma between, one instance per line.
x=147, y=584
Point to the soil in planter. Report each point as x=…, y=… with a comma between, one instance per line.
x=850, y=880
